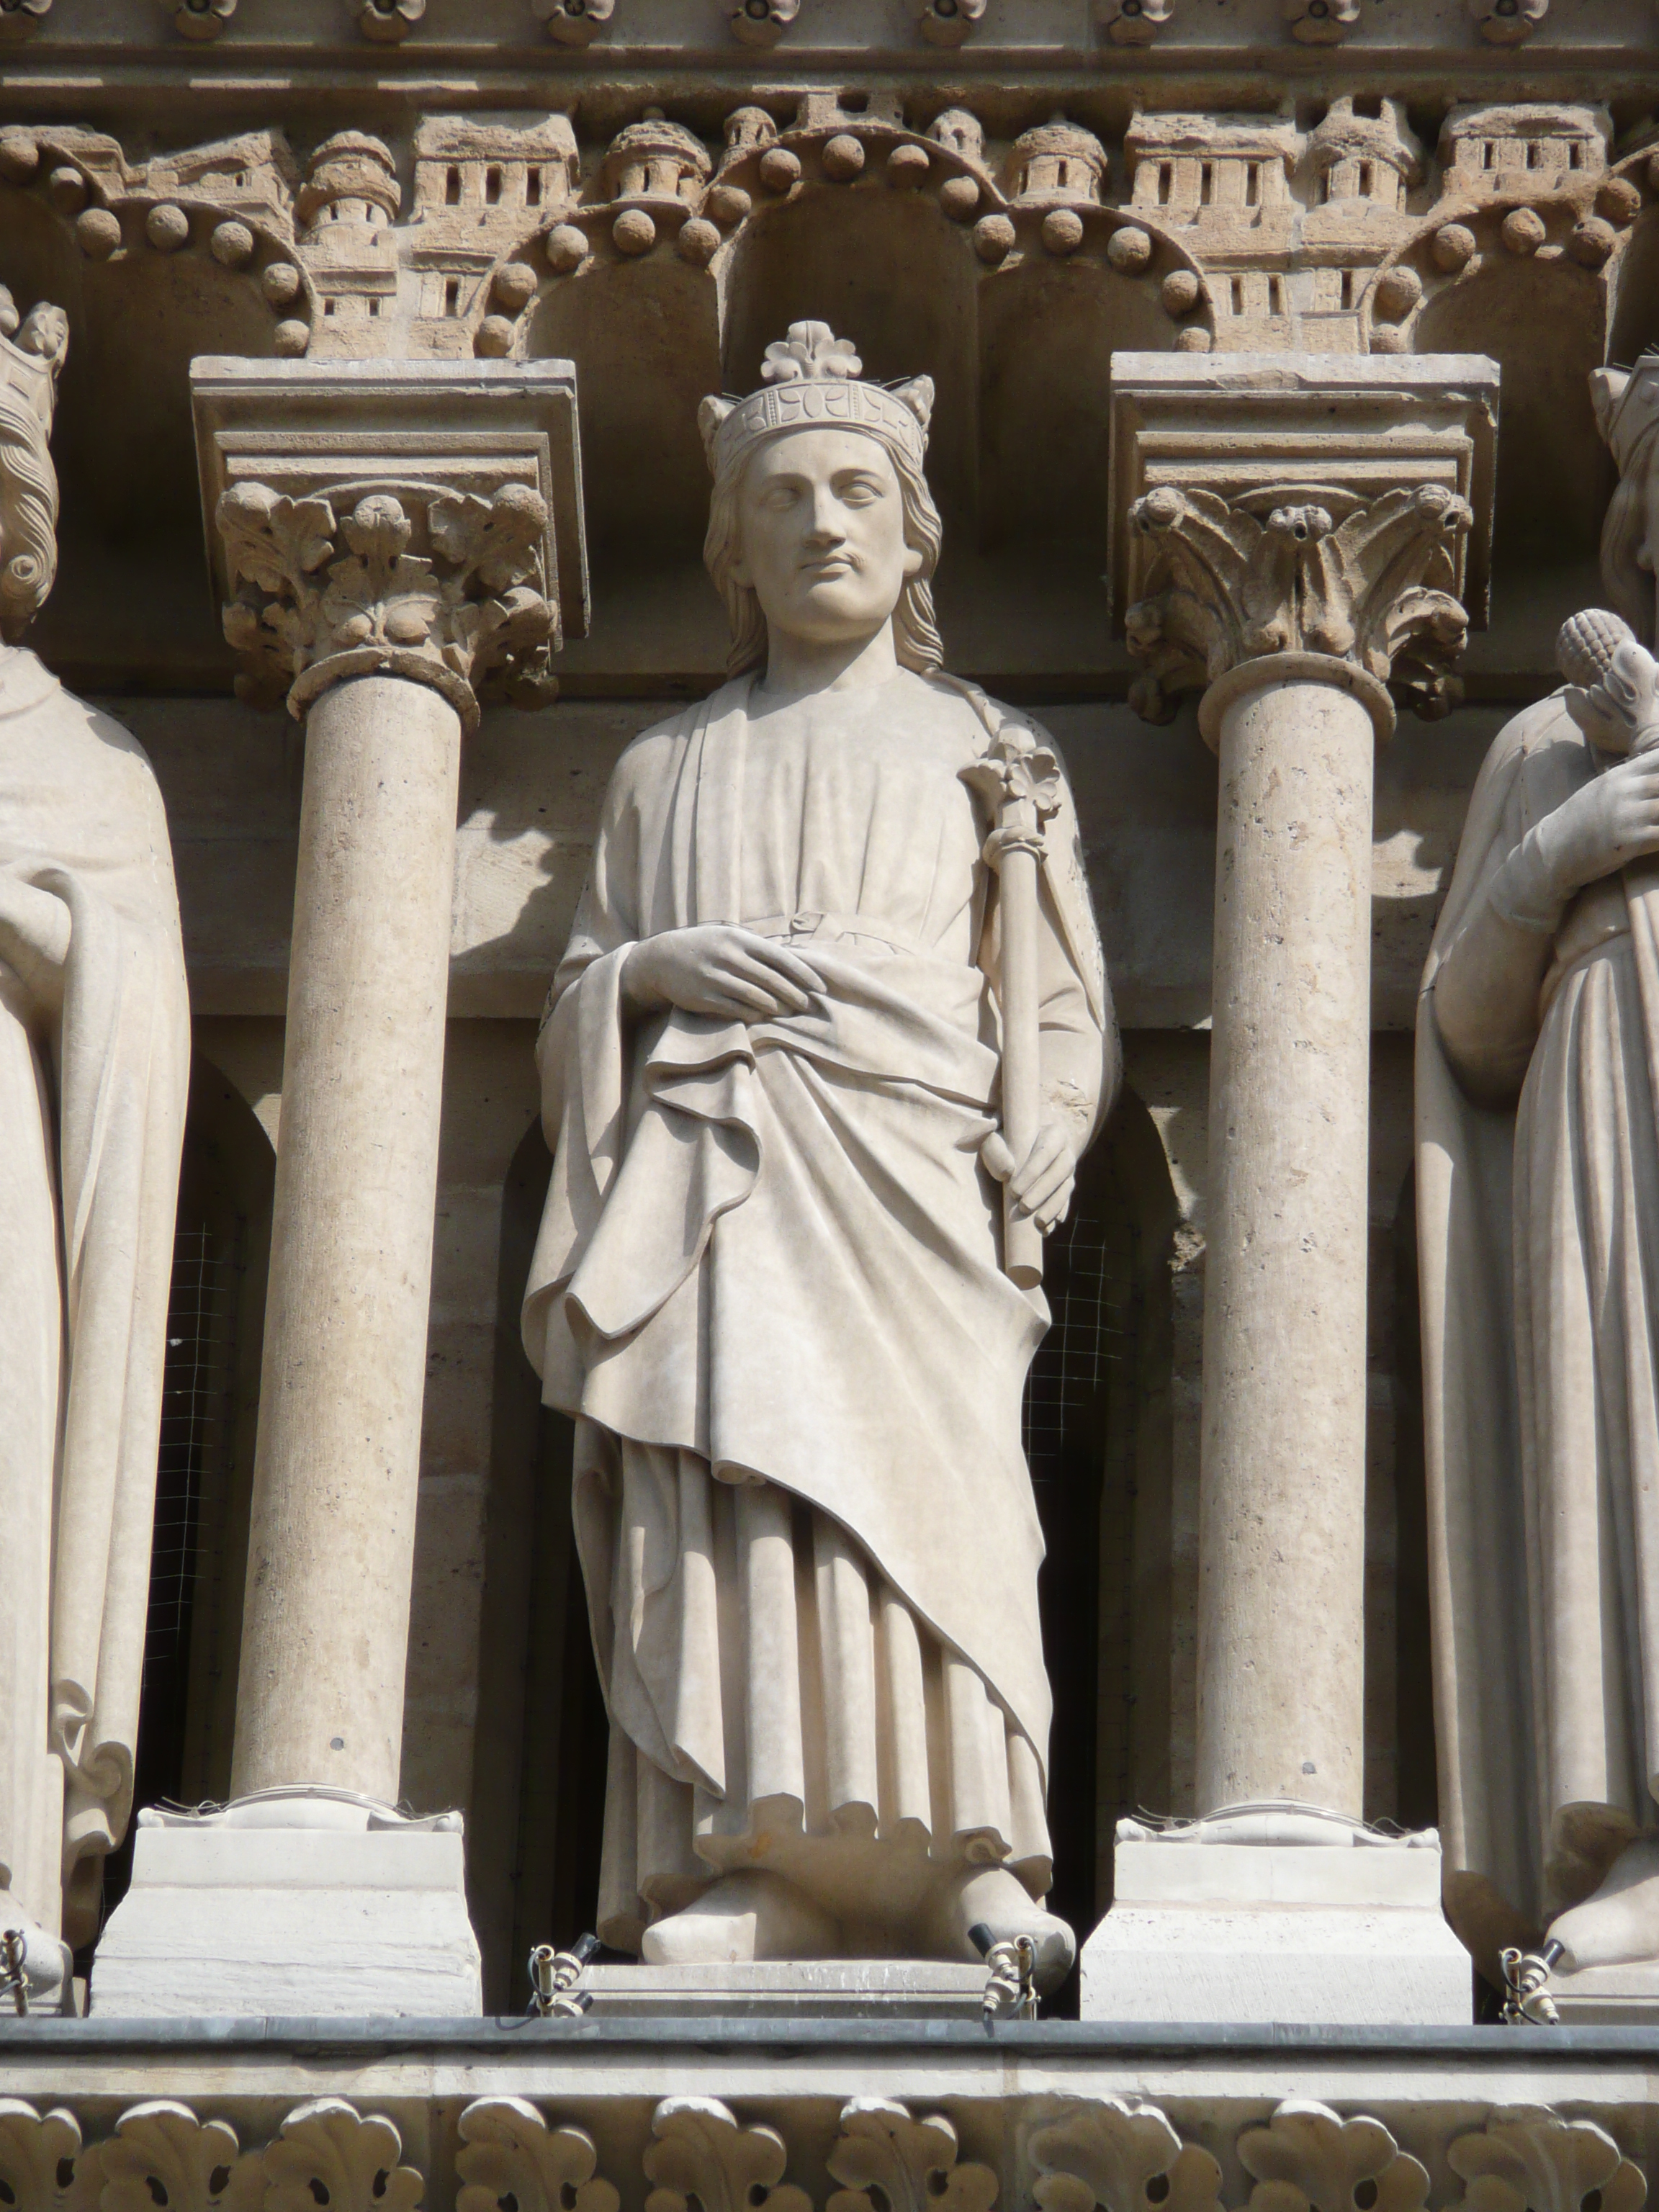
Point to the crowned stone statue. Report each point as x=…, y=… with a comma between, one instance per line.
x=94, y=1049
x=1538, y=1194
x=769, y=1282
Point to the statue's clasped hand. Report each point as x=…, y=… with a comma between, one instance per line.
x=719, y=970
x=1604, y=826
x=1041, y=1182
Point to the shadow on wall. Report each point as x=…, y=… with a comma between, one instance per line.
x=205, y=1462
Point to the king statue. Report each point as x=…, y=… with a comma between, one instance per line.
x=94, y=1055
x=771, y=1283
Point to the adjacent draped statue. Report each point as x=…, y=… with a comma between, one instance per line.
x=767, y=1284
x=93, y=1065
x=1538, y=1197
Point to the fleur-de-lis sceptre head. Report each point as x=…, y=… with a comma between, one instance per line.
x=1019, y=778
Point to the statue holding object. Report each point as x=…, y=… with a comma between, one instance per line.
x=95, y=1057
x=771, y=1283
x=1538, y=1203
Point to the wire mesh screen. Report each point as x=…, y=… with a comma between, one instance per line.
x=1091, y=1297
x=197, y=1431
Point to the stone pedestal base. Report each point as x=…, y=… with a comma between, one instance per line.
x=1608, y=1996
x=1264, y=1913
x=832, y=1989
x=292, y=1904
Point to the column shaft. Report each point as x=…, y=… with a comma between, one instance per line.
x=330, y=1551
x=1282, y=1487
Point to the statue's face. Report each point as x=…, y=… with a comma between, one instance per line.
x=821, y=535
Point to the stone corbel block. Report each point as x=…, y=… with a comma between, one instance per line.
x=1262, y=431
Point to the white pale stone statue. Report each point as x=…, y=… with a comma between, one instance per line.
x=95, y=1048
x=769, y=1282
x=1538, y=1192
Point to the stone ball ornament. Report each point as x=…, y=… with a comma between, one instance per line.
x=1523, y=230
x=1129, y=250
x=566, y=248
x=166, y=227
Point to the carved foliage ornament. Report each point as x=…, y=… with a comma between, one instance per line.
x=1369, y=586
x=1105, y=2152
x=510, y=2155
x=702, y=2152
x=43, y=2167
x=163, y=2154
x=1308, y=2159
x=1528, y=2159
x=321, y=597
x=887, y=2158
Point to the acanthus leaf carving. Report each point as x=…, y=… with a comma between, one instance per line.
x=321, y=597
x=1529, y=2158
x=508, y=2152
x=328, y=2144
x=886, y=2156
x=198, y=2165
x=701, y=2150
x=1101, y=2151
x=1371, y=587
x=43, y=2163
x=1309, y=2159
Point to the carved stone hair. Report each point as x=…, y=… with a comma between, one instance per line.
x=915, y=633
x=30, y=359
x=28, y=514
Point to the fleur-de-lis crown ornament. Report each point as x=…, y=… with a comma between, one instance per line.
x=812, y=378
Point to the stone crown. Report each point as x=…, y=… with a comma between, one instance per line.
x=814, y=380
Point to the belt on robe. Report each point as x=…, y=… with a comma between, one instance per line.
x=807, y=923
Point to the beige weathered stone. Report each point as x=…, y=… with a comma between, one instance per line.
x=94, y=1071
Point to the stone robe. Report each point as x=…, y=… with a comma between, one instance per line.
x=92, y=1108
x=766, y=1285
x=1539, y=1241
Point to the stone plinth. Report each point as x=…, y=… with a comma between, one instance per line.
x=1342, y=1927
x=822, y=1990
x=291, y=1903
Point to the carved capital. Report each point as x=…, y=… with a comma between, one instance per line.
x=1373, y=587
x=1336, y=511
x=441, y=587
x=424, y=525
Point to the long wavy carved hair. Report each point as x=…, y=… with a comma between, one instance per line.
x=915, y=632
x=28, y=515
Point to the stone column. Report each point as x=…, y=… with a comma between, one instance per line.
x=1302, y=554
x=387, y=539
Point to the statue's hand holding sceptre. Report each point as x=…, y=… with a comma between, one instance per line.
x=1020, y=780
